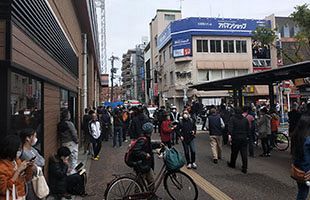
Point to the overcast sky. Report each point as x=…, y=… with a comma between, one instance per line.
x=128, y=20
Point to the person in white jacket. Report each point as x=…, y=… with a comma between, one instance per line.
x=95, y=133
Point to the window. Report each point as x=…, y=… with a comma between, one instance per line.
x=286, y=31
x=170, y=51
x=241, y=46
x=216, y=46
x=160, y=63
x=203, y=75
x=164, y=56
x=155, y=39
x=241, y=72
x=216, y=74
x=171, y=78
x=26, y=105
x=228, y=73
x=169, y=17
x=229, y=46
x=64, y=98
x=202, y=45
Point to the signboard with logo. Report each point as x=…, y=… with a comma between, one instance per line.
x=181, y=31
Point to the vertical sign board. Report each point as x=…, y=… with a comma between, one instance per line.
x=180, y=32
x=104, y=79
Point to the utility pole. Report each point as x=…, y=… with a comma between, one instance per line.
x=113, y=71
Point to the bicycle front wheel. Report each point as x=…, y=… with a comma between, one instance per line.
x=281, y=141
x=180, y=186
x=122, y=187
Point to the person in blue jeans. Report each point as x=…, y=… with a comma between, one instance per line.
x=118, y=127
x=187, y=133
x=301, y=153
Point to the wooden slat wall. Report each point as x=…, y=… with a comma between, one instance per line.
x=51, y=119
x=2, y=39
x=28, y=54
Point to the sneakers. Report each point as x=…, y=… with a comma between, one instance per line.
x=194, y=166
x=215, y=161
x=95, y=158
x=244, y=171
x=189, y=166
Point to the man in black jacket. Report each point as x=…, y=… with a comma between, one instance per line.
x=84, y=126
x=187, y=132
x=135, y=128
x=239, y=132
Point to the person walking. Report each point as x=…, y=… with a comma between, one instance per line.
x=251, y=120
x=95, y=134
x=161, y=116
x=118, y=128
x=225, y=115
x=293, y=118
x=187, y=131
x=126, y=123
x=68, y=137
x=166, y=130
x=215, y=125
x=174, y=117
x=264, y=131
x=239, y=131
x=300, y=141
x=275, y=123
x=106, y=124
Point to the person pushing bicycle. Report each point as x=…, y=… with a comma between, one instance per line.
x=142, y=155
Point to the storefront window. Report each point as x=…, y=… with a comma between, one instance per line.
x=64, y=98
x=26, y=104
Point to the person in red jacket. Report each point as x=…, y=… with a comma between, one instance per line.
x=166, y=130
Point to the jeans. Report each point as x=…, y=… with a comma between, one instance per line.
x=96, y=146
x=266, y=145
x=118, y=134
x=189, y=147
x=303, y=191
x=174, y=137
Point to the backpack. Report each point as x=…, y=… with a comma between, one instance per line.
x=173, y=159
x=76, y=184
x=128, y=155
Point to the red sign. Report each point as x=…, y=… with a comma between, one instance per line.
x=187, y=51
x=156, y=89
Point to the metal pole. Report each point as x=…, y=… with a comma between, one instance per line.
x=84, y=75
x=282, y=107
x=112, y=77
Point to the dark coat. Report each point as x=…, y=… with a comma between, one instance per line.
x=186, y=128
x=141, y=149
x=215, y=125
x=135, y=129
x=57, y=173
x=239, y=128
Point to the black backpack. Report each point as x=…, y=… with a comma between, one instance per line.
x=128, y=155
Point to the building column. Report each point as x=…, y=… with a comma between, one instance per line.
x=240, y=97
x=271, y=96
x=235, y=97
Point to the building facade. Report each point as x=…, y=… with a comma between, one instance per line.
x=157, y=26
x=196, y=50
x=44, y=47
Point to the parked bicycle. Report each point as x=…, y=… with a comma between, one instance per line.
x=282, y=141
x=177, y=184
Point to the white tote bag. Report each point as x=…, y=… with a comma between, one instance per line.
x=13, y=193
x=39, y=184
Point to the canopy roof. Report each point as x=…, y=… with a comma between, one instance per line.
x=289, y=72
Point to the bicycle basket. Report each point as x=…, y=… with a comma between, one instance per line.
x=173, y=159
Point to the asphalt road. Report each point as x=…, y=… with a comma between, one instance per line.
x=267, y=178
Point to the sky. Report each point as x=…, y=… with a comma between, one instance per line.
x=127, y=21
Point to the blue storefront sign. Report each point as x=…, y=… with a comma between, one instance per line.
x=181, y=31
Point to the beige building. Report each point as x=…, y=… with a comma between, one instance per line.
x=157, y=26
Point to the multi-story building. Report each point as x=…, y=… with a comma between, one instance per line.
x=148, y=92
x=133, y=77
x=44, y=48
x=196, y=50
x=157, y=26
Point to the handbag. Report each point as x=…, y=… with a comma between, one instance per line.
x=39, y=184
x=173, y=159
x=297, y=174
x=13, y=193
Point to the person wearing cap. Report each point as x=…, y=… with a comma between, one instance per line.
x=143, y=155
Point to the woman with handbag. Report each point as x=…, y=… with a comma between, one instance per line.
x=29, y=138
x=14, y=173
x=301, y=156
